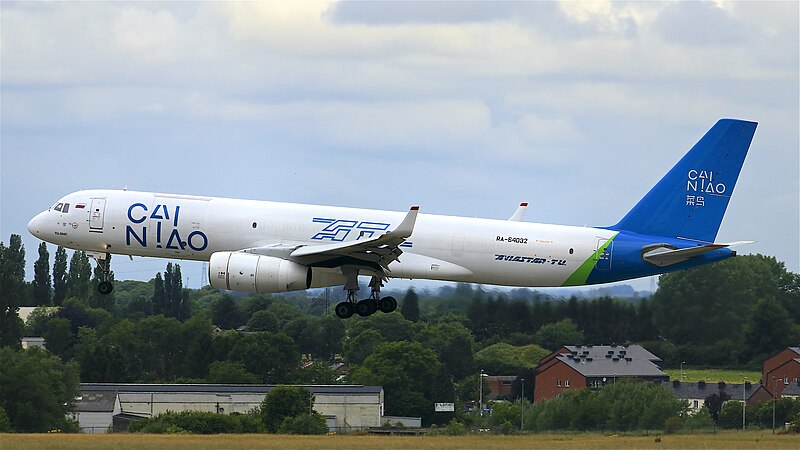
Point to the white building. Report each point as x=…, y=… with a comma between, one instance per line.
x=345, y=407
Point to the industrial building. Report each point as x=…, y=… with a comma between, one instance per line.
x=105, y=406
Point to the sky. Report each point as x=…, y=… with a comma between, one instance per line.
x=464, y=108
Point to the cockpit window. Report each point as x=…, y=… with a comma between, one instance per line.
x=58, y=207
x=66, y=208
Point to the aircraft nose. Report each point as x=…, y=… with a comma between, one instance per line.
x=35, y=225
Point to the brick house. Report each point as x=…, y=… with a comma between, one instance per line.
x=593, y=366
x=781, y=370
x=499, y=386
x=696, y=393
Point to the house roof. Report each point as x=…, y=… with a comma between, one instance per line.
x=592, y=366
x=701, y=389
x=96, y=401
x=227, y=388
x=620, y=351
x=793, y=390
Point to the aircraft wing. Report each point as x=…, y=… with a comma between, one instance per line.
x=376, y=252
x=662, y=256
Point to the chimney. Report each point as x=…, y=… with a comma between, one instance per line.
x=701, y=384
x=747, y=385
x=721, y=385
x=676, y=383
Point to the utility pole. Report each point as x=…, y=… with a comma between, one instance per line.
x=682, y=363
x=774, y=396
x=522, y=406
x=744, y=405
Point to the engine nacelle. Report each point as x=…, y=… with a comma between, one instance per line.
x=247, y=272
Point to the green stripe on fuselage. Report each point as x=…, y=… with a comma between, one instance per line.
x=579, y=277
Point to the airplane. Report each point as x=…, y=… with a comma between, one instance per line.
x=269, y=247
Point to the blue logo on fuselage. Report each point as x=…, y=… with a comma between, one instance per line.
x=160, y=218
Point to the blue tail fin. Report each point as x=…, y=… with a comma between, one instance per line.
x=691, y=199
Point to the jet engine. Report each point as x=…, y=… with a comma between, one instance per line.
x=247, y=272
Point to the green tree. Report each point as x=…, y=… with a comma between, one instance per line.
x=312, y=423
x=159, y=299
x=60, y=276
x=79, y=276
x=263, y=321
x=713, y=403
x=407, y=371
x=16, y=255
x=410, y=308
x=225, y=313
x=730, y=415
x=357, y=349
x=719, y=298
x=506, y=359
x=11, y=286
x=392, y=327
x=178, y=304
x=770, y=329
x=41, y=277
x=230, y=372
x=284, y=402
x=271, y=357
x=553, y=336
x=37, y=390
x=5, y=424
x=158, y=340
x=58, y=338
x=453, y=343
x=317, y=372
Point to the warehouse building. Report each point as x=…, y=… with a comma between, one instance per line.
x=102, y=406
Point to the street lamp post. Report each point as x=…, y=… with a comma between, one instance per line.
x=480, y=398
x=774, y=396
x=682, y=363
x=522, y=406
x=744, y=404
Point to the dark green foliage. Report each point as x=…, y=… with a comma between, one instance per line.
x=225, y=313
x=41, y=277
x=232, y=372
x=58, y=337
x=5, y=424
x=713, y=403
x=316, y=373
x=284, y=402
x=392, y=327
x=79, y=276
x=37, y=390
x=785, y=409
x=263, y=321
x=553, y=336
x=198, y=422
x=159, y=299
x=624, y=406
x=357, y=349
x=312, y=423
x=60, y=276
x=506, y=359
x=453, y=343
x=730, y=415
x=271, y=357
x=410, y=307
x=722, y=299
x=11, y=290
x=407, y=371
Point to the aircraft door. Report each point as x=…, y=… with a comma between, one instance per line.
x=603, y=256
x=97, y=214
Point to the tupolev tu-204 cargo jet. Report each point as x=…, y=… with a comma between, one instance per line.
x=266, y=247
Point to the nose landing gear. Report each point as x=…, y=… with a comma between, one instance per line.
x=104, y=262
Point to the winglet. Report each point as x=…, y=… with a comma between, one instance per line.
x=519, y=213
x=406, y=227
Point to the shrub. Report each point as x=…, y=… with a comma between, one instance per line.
x=455, y=428
x=312, y=423
x=198, y=422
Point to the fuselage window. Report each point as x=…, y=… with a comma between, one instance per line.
x=58, y=207
x=255, y=224
x=571, y=251
x=66, y=208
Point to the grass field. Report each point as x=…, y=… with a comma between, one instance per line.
x=726, y=440
x=714, y=375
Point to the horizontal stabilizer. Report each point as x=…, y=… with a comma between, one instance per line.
x=663, y=255
x=519, y=213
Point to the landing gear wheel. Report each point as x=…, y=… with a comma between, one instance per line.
x=344, y=310
x=105, y=287
x=366, y=307
x=387, y=304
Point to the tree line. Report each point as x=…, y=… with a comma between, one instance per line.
x=428, y=351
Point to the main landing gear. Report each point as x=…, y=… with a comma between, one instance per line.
x=367, y=306
x=104, y=262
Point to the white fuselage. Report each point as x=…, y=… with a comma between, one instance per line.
x=446, y=248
